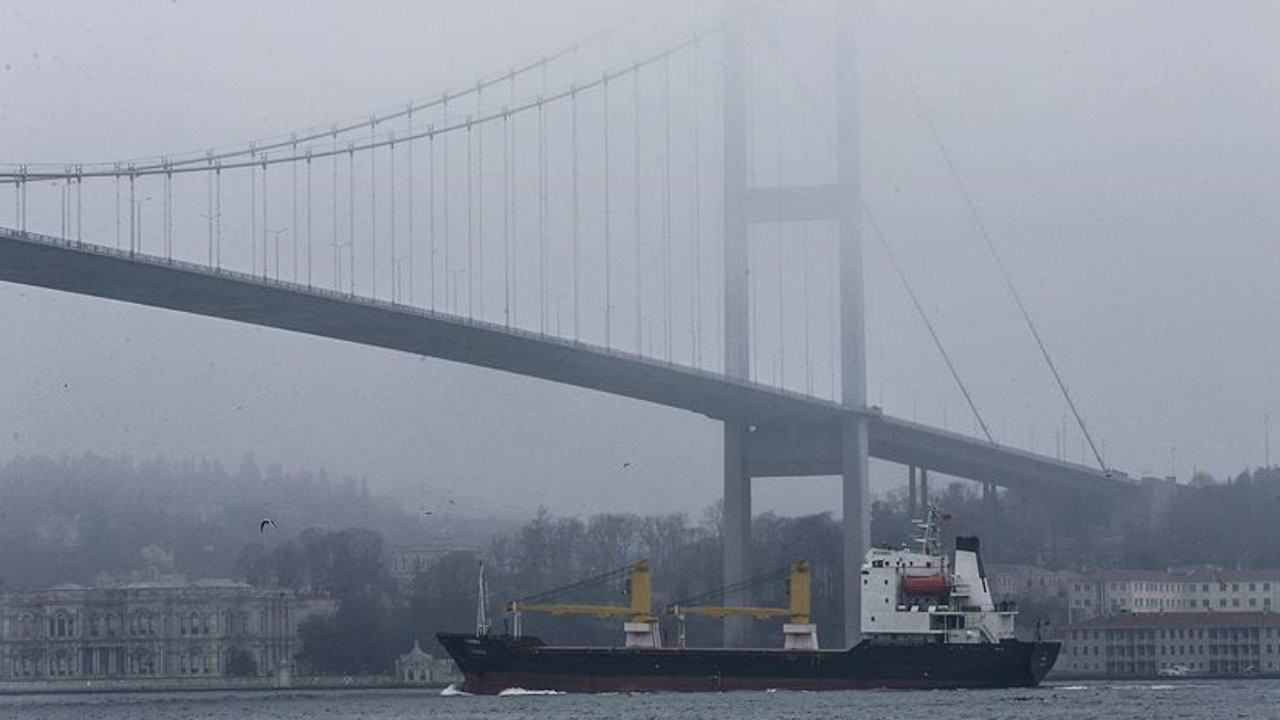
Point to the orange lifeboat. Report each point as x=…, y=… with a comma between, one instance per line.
x=924, y=584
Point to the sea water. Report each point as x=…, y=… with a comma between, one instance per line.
x=1166, y=700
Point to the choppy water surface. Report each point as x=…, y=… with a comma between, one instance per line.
x=1192, y=700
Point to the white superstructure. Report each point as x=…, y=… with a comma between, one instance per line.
x=917, y=596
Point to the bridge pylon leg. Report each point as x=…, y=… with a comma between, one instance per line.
x=912, y=509
x=853, y=351
x=856, y=520
x=736, y=520
x=736, y=523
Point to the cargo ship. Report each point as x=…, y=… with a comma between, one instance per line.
x=928, y=622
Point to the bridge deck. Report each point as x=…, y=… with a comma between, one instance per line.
x=797, y=434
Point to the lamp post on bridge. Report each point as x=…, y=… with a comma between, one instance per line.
x=63, y=210
x=337, y=267
x=275, y=241
x=135, y=224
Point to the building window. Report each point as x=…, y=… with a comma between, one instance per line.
x=64, y=626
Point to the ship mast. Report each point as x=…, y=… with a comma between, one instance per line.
x=482, y=605
x=929, y=532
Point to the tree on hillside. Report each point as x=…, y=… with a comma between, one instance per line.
x=443, y=598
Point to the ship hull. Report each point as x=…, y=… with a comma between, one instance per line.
x=493, y=664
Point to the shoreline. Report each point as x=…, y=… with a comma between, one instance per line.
x=161, y=685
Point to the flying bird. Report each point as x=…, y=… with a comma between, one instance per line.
x=626, y=465
x=262, y=526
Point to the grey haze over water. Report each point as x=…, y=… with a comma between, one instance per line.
x=1124, y=155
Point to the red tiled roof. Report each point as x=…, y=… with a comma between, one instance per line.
x=1160, y=621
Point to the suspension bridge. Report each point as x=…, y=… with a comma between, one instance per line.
x=606, y=231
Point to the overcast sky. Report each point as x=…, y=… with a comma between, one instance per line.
x=1124, y=156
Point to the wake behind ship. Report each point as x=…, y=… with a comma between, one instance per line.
x=926, y=623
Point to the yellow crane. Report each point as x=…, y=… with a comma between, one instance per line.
x=640, y=626
x=799, y=632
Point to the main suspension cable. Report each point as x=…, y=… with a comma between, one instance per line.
x=1004, y=271
x=933, y=333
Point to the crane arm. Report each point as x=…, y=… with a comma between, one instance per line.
x=722, y=611
x=600, y=611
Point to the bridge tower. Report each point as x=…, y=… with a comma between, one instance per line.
x=838, y=202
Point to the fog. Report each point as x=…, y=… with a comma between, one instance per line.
x=1123, y=155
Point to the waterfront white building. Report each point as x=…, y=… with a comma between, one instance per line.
x=1201, y=589
x=1174, y=644
x=159, y=628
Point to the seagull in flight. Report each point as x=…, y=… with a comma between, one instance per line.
x=262, y=526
